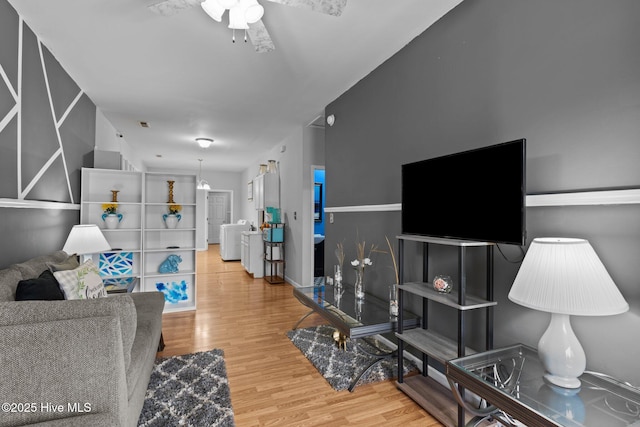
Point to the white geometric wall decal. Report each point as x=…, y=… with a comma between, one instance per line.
x=40, y=107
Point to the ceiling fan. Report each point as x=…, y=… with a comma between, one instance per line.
x=247, y=14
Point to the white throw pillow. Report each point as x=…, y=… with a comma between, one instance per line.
x=83, y=282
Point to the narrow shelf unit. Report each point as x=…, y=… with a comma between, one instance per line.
x=428, y=393
x=124, y=260
x=273, y=240
x=160, y=242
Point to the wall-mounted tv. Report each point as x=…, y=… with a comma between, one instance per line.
x=476, y=195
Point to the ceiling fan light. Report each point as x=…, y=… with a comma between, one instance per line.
x=228, y=4
x=213, y=9
x=253, y=11
x=237, y=21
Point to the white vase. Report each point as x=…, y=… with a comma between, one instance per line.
x=111, y=220
x=171, y=220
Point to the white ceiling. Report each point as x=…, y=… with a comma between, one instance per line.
x=184, y=76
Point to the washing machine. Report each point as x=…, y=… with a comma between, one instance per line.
x=230, y=239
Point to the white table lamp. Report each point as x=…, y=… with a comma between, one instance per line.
x=565, y=277
x=85, y=240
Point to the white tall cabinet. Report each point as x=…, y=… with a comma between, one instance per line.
x=142, y=238
x=266, y=191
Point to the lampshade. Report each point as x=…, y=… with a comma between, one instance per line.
x=214, y=9
x=253, y=11
x=561, y=275
x=86, y=239
x=228, y=4
x=237, y=20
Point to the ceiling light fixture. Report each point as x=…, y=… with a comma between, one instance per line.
x=204, y=142
x=241, y=13
x=202, y=183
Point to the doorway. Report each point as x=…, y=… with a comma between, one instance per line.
x=319, y=188
x=219, y=208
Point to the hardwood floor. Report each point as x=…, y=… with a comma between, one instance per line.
x=271, y=382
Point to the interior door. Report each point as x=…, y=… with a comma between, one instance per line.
x=218, y=208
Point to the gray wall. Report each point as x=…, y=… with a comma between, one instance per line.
x=566, y=76
x=39, y=160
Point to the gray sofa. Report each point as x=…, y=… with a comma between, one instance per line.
x=77, y=362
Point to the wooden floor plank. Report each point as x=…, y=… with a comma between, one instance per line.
x=271, y=382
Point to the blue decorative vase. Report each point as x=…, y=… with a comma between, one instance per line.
x=111, y=220
x=171, y=220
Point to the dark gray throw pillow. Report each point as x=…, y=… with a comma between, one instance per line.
x=44, y=288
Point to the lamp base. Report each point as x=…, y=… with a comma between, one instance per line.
x=562, y=381
x=561, y=353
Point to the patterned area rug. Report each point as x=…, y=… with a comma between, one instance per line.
x=340, y=367
x=188, y=390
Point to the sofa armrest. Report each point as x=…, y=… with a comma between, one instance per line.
x=152, y=301
x=60, y=369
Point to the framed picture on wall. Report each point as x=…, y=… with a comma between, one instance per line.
x=317, y=202
x=250, y=190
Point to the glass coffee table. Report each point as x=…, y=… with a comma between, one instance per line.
x=511, y=380
x=353, y=319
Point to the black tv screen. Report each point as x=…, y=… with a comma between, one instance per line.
x=476, y=195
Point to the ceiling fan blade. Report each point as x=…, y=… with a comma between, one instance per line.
x=171, y=7
x=329, y=7
x=260, y=37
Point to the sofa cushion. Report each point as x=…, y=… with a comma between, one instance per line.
x=10, y=276
x=32, y=268
x=71, y=263
x=120, y=306
x=45, y=287
x=83, y=282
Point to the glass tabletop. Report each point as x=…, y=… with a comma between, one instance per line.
x=514, y=377
x=353, y=317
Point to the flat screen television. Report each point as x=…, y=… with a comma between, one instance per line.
x=476, y=195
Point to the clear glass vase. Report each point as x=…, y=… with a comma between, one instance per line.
x=359, y=284
x=393, y=300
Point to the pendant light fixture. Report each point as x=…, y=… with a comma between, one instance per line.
x=202, y=183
